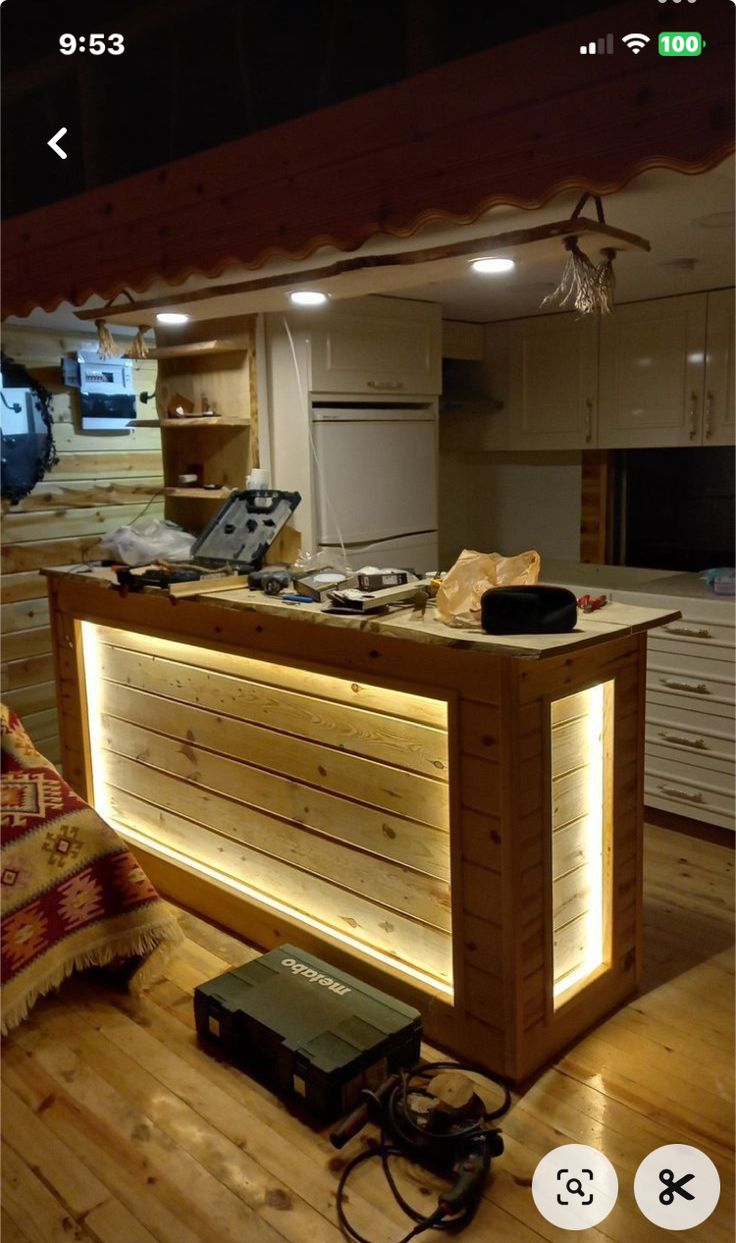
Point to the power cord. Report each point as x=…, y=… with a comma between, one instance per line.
x=313, y=448
x=456, y=1144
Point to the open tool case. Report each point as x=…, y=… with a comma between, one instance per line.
x=241, y=533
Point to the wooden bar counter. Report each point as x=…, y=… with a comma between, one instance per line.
x=454, y=817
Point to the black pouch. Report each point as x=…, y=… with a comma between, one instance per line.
x=528, y=610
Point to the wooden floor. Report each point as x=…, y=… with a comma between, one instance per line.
x=118, y=1128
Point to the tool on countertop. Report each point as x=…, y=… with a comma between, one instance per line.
x=420, y=601
x=130, y=580
x=589, y=604
x=354, y=601
x=179, y=580
x=319, y=584
x=243, y=530
x=372, y=579
x=272, y=580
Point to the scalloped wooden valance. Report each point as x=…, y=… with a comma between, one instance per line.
x=513, y=125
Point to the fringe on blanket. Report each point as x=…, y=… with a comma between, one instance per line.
x=155, y=944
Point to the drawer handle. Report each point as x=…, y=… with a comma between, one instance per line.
x=698, y=688
x=689, y=796
x=698, y=744
x=388, y=385
x=692, y=421
x=690, y=632
x=709, y=417
x=588, y=421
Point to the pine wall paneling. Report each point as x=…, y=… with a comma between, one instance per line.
x=102, y=480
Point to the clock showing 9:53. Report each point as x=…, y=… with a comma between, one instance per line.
x=97, y=44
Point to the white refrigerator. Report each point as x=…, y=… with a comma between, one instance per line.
x=375, y=482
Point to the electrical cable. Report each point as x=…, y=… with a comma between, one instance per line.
x=313, y=447
x=465, y=1148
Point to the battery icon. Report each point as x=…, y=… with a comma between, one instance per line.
x=681, y=43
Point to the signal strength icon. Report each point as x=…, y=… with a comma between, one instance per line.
x=635, y=42
x=597, y=47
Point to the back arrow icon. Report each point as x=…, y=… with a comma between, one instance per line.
x=53, y=143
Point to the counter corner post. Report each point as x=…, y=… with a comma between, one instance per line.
x=71, y=688
x=575, y=865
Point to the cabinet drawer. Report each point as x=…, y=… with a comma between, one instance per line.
x=684, y=648
x=664, y=713
x=687, y=787
x=696, y=634
x=701, y=813
x=688, y=690
x=699, y=610
x=691, y=667
x=689, y=746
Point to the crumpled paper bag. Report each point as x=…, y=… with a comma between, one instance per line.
x=458, y=599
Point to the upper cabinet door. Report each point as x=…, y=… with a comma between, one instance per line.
x=718, y=421
x=380, y=346
x=651, y=374
x=552, y=383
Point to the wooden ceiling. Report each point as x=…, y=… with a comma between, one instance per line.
x=514, y=125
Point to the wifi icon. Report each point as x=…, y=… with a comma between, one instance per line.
x=635, y=42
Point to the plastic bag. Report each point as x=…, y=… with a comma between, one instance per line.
x=321, y=559
x=458, y=599
x=143, y=542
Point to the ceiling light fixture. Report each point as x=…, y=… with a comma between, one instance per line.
x=172, y=317
x=307, y=297
x=492, y=267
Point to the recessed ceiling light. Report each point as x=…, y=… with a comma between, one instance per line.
x=307, y=297
x=172, y=317
x=491, y=266
x=716, y=220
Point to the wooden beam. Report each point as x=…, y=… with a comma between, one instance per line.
x=592, y=232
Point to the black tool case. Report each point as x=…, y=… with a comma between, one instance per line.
x=241, y=533
x=307, y=1029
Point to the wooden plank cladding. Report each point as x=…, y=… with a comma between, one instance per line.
x=578, y=727
x=418, y=811
x=99, y=481
x=327, y=795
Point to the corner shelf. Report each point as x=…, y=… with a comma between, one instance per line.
x=204, y=367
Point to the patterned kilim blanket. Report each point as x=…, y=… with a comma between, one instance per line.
x=73, y=895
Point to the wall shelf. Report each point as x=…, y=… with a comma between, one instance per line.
x=193, y=349
x=205, y=421
x=206, y=494
x=215, y=373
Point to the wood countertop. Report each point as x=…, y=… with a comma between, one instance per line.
x=611, y=622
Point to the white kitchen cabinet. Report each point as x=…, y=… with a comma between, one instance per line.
x=690, y=720
x=651, y=374
x=718, y=420
x=552, y=383
x=385, y=346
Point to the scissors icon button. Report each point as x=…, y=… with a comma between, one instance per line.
x=673, y=1188
x=677, y=1187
